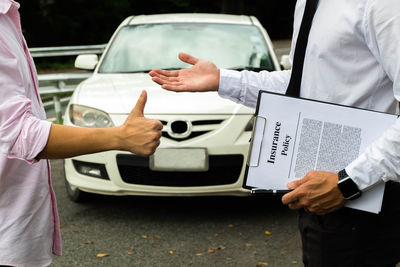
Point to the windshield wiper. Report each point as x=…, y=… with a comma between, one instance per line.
x=134, y=71
x=146, y=71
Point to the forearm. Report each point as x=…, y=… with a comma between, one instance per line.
x=243, y=87
x=67, y=141
x=380, y=161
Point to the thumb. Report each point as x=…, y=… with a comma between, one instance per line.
x=138, y=110
x=188, y=58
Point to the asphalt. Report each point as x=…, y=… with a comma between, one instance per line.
x=147, y=231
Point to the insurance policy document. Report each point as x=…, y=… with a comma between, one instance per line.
x=293, y=136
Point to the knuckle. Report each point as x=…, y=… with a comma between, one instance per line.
x=310, y=173
x=306, y=203
x=312, y=209
x=157, y=124
x=301, y=192
x=155, y=136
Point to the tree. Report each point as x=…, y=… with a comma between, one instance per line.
x=80, y=22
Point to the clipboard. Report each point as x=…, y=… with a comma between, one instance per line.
x=292, y=136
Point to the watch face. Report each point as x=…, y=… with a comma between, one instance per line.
x=349, y=188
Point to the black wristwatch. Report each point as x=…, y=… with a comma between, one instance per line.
x=347, y=186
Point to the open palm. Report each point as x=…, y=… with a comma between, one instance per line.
x=202, y=76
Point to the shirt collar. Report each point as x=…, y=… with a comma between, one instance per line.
x=5, y=6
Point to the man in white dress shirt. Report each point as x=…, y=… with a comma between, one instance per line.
x=352, y=58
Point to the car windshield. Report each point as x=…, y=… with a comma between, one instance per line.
x=144, y=47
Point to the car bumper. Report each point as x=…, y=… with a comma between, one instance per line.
x=127, y=174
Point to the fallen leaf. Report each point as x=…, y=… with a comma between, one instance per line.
x=171, y=252
x=130, y=253
x=267, y=232
x=294, y=262
x=76, y=263
x=102, y=255
x=88, y=242
x=260, y=264
x=249, y=245
x=210, y=251
x=220, y=248
x=199, y=254
x=144, y=236
x=157, y=236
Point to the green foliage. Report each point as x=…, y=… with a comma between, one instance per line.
x=54, y=63
x=84, y=22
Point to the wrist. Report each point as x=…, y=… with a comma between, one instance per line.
x=114, y=138
x=347, y=186
x=217, y=78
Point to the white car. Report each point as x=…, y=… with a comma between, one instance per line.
x=205, y=139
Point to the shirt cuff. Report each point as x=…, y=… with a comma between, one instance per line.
x=34, y=144
x=230, y=85
x=362, y=173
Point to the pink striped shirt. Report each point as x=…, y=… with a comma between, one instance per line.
x=29, y=225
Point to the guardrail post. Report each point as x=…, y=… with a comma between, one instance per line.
x=57, y=108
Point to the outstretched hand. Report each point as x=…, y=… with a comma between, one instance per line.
x=316, y=192
x=201, y=77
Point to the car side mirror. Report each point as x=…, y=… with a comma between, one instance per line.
x=86, y=62
x=285, y=62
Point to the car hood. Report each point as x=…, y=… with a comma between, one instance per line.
x=118, y=94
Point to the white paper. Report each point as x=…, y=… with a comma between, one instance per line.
x=302, y=135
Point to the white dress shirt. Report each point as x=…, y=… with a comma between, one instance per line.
x=352, y=58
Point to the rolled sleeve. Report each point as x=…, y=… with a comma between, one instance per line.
x=27, y=138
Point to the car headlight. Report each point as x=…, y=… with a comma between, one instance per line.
x=250, y=125
x=89, y=117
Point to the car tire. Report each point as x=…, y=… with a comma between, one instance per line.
x=74, y=193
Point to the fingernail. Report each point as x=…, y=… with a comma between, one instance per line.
x=290, y=185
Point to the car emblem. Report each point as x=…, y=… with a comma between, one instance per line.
x=179, y=128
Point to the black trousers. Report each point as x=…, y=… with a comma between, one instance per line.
x=352, y=238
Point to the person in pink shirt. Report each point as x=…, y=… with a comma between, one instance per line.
x=29, y=225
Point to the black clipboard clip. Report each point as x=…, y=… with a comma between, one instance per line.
x=268, y=192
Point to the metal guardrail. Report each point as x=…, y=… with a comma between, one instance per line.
x=66, y=50
x=282, y=51
x=60, y=83
x=53, y=86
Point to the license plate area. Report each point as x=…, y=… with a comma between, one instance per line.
x=179, y=160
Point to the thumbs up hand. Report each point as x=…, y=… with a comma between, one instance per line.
x=140, y=136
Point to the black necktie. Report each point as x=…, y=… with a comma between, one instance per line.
x=300, y=51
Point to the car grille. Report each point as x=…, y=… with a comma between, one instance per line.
x=195, y=128
x=223, y=169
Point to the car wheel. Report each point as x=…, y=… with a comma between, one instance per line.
x=74, y=193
